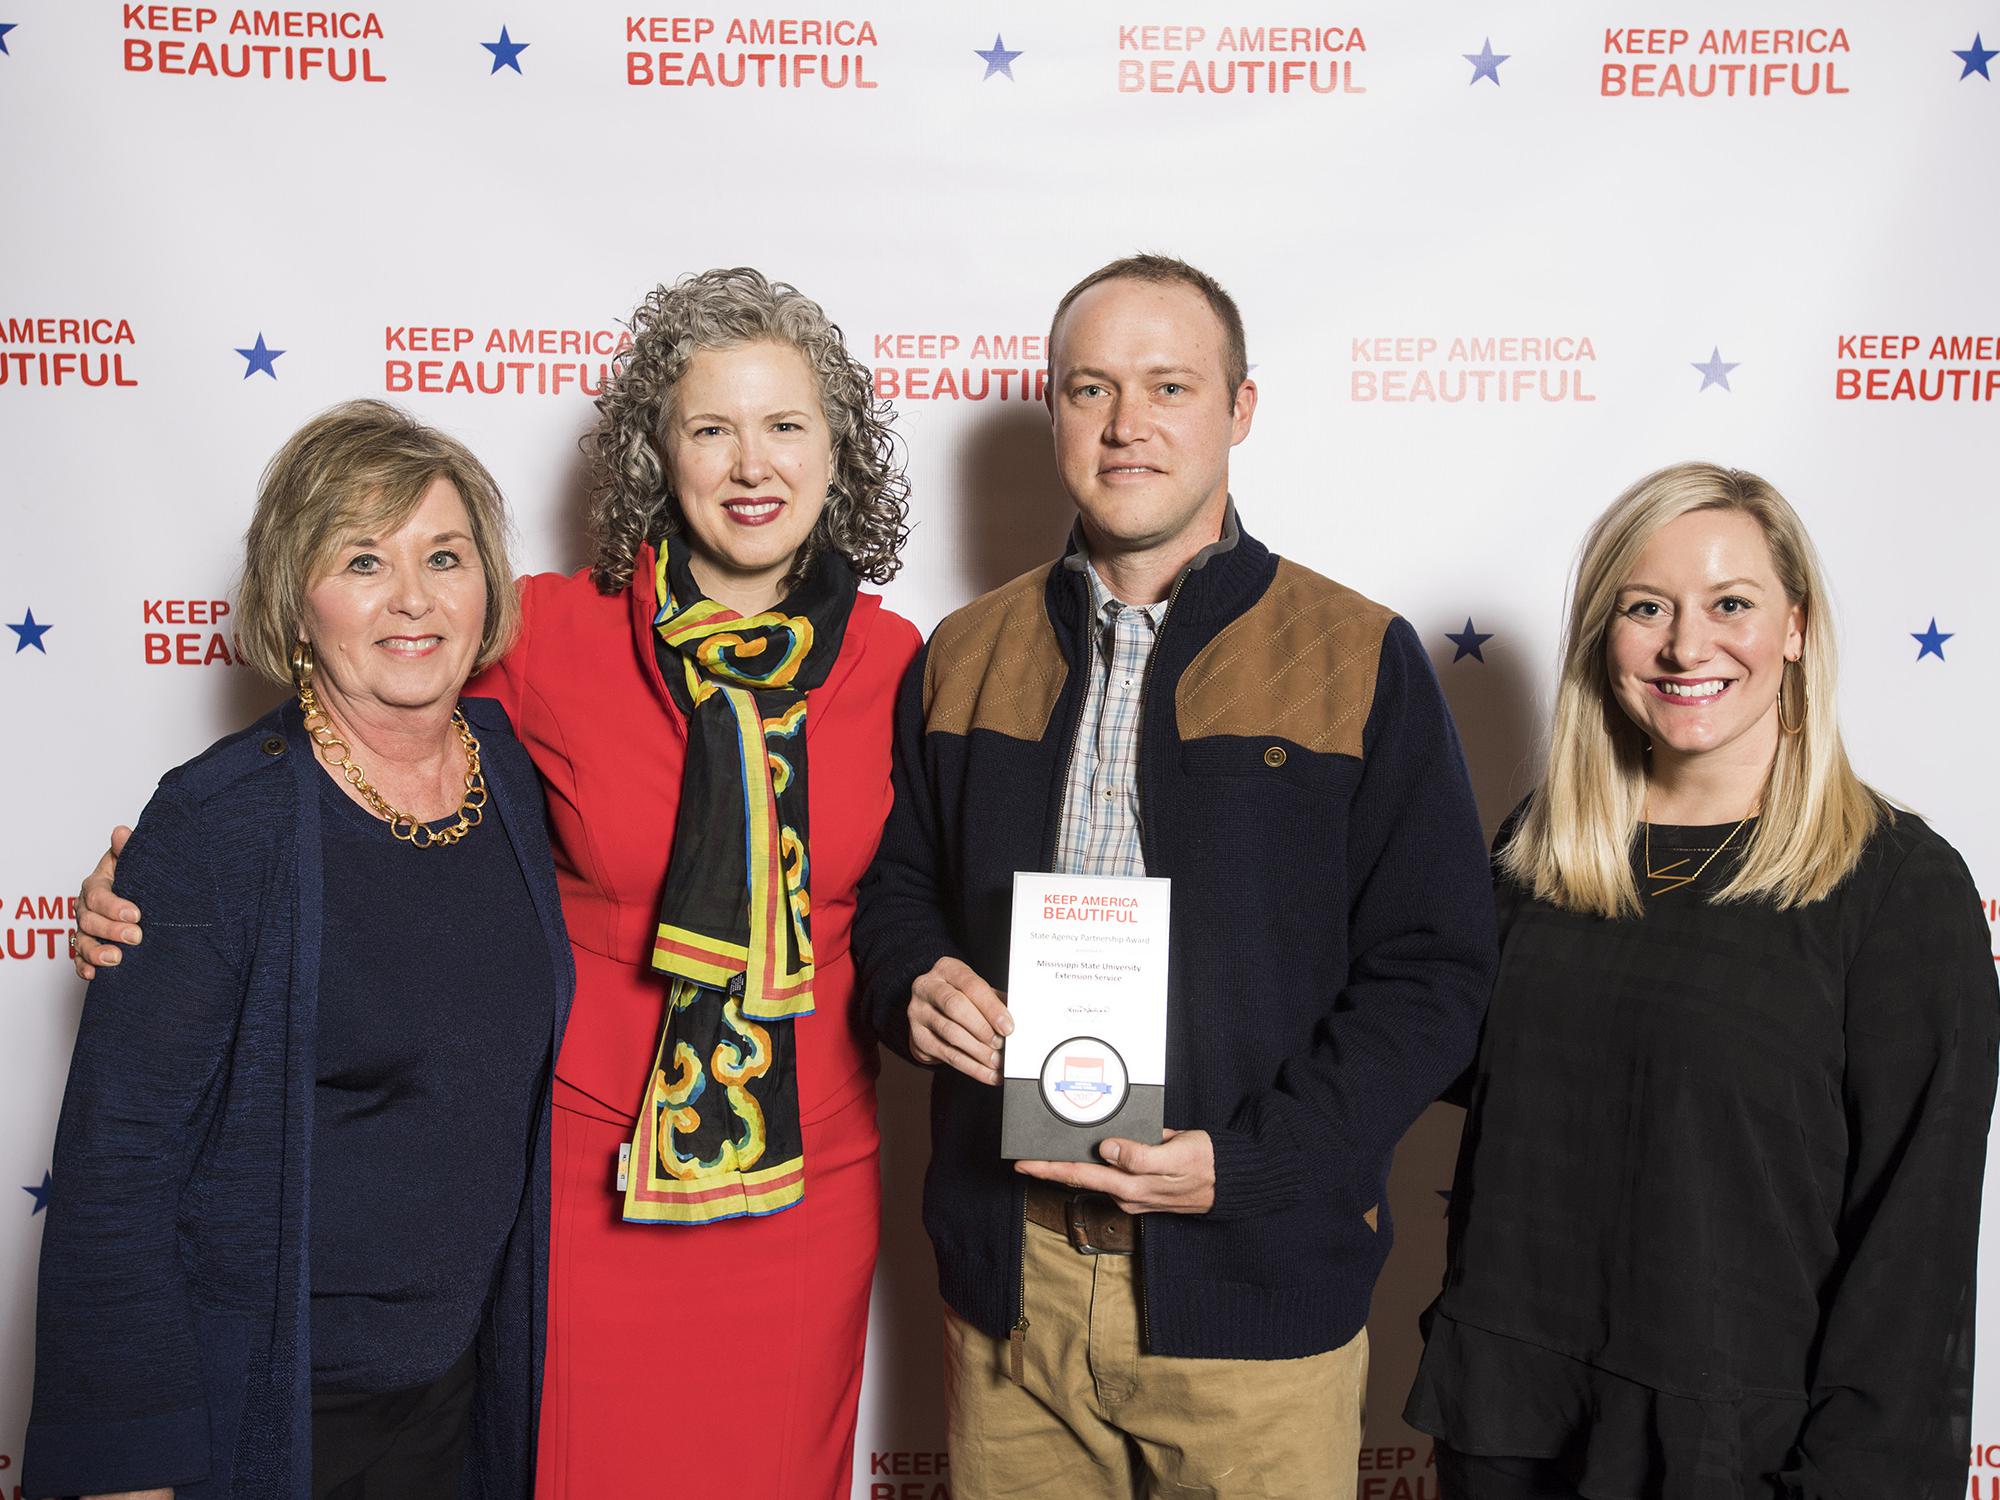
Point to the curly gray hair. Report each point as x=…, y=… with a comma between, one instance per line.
x=632, y=501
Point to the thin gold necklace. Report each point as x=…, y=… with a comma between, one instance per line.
x=413, y=831
x=1675, y=882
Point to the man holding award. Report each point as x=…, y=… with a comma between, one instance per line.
x=1185, y=899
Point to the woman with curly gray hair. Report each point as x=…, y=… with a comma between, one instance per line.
x=669, y=695
x=710, y=706
x=746, y=482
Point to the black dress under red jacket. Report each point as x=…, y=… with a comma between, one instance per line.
x=1333, y=935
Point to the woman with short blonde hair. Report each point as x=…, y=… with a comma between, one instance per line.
x=1714, y=1229
x=299, y=1246
x=360, y=469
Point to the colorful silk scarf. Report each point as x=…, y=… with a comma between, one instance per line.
x=718, y=1133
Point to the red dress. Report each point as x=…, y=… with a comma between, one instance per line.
x=716, y=1359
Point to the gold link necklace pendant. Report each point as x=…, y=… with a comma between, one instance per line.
x=412, y=831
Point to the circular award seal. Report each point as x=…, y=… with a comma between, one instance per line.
x=1084, y=1081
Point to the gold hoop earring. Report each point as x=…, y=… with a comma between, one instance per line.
x=302, y=664
x=1801, y=724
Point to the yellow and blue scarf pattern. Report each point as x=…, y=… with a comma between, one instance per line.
x=718, y=1134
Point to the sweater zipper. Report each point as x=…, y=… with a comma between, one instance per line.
x=1145, y=696
x=1139, y=799
x=1017, y=1336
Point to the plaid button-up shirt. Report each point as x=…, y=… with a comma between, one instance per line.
x=1099, y=832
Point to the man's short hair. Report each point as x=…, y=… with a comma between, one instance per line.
x=1168, y=268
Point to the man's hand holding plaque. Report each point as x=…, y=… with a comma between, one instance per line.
x=1174, y=1177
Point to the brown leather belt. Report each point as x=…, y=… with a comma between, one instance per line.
x=1091, y=1222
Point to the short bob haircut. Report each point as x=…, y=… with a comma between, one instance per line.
x=1169, y=270
x=867, y=504
x=358, y=469
x=1573, y=844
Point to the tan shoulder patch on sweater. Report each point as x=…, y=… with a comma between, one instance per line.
x=995, y=664
x=1299, y=664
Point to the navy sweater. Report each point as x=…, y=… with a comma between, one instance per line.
x=171, y=1329
x=1333, y=935
x=435, y=993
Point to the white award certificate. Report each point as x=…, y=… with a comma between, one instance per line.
x=1087, y=987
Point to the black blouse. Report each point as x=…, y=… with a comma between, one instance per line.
x=1714, y=1229
x=435, y=995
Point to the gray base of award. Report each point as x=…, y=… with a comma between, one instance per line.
x=1031, y=1131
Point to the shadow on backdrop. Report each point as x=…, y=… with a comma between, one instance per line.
x=242, y=697
x=1500, y=716
x=1419, y=1194
x=1012, y=512
x=906, y=1330
x=1500, y=721
x=573, y=507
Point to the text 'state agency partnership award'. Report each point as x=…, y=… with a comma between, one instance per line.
x=1087, y=986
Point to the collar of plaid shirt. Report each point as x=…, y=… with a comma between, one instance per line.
x=1098, y=832
x=1077, y=558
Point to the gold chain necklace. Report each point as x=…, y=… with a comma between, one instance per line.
x=1676, y=882
x=335, y=752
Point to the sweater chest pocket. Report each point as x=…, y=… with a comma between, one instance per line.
x=1272, y=762
x=1254, y=799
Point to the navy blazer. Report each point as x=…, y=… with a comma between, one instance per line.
x=171, y=1322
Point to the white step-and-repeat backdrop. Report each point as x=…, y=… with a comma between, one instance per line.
x=1496, y=261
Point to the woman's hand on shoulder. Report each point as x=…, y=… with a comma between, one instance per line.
x=104, y=920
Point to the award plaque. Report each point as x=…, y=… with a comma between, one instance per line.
x=1087, y=987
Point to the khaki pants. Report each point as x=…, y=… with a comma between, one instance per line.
x=1096, y=1416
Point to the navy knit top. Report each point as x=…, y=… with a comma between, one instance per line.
x=435, y=999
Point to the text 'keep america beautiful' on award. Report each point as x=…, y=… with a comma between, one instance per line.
x=1087, y=986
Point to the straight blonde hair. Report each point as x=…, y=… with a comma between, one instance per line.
x=357, y=468
x=1572, y=846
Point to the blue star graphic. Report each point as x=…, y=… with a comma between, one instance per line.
x=259, y=357
x=7, y=26
x=999, y=60
x=30, y=635
x=39, y=1194
x=506, y=52
x=1975, y=58
x=1716, y=371
x=1931, y=642
x=1468, y=641
x=1486, y=62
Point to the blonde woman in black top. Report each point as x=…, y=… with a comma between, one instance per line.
x=1715, y=1224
